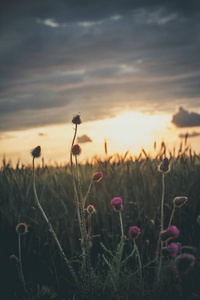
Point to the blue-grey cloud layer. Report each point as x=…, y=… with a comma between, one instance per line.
x=61, y=57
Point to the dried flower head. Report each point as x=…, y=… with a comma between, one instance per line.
x=179, y=201
x=22, y=229
x=134, y=232
x=171, y=250
x=36, y=152
x=184, y=262
x=76, y=150
x=90, y=209
x=14, y=259
x=164, y=165
x=77, y=119
x=117, y=204
x=171, y=232
x=97, y=176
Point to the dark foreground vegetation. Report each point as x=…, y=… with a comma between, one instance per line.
x=112, y=269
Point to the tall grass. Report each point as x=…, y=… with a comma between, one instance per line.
x=137, y=181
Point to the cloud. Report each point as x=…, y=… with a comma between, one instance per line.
x=83, y=139
x=183, y=118
x=97, y=57
x=192, y=134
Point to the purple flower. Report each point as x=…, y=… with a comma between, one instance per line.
x=184, y=262
x=134, y=232
x=97, y=176
x=117, y=204
x=170, y=233
x=171, y=250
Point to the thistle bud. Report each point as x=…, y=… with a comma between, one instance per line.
x=97, y=176
x=134, y=232
x=76, y=150
x=179, y=201
x=171, y=232
x=36, y=152
x=90, y=209
x=77, y=120
x=117, y=204
x=22, y=229
x=164, y=165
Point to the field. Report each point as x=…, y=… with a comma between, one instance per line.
x=106, y=264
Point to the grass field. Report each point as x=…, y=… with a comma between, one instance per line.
x=113, y=269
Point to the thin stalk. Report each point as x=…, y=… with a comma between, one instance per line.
x=20, y=264
x=139, y=262
x=87, y=194
x=52, y=231
x=121, y=224
x=171, y=217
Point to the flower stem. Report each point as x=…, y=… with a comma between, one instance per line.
x=121, y=224
x=139, y=262
x=53, y=232
x=171, y=217
x=20, y=264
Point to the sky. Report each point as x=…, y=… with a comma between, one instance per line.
x=130, y=68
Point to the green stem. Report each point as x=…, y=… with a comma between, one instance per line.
x=52, y=231
x=139, y=262
x=88, y=192
x=121, y=224
x=171, y=217
x=20, y=264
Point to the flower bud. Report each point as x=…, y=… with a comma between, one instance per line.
x=134, y=232
x=22, y=229
x=97, y=176
x=184, y=262
x=77, y=120
x=179, y=201
x=164, y=165
x=170, y=233
x=117, y=204
x=90, y=209
x=76, y=150
x=36, y=152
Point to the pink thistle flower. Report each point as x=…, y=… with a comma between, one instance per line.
x=171, y=250
x=117, y=204
x=171, y=232
x=184, y=262
x=97, y=176
x=134, y=232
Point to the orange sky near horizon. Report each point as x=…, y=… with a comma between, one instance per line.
x=128, y=131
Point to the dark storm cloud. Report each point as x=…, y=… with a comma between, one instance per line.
x=84, y=139
x=186, y=119
x=57, y=57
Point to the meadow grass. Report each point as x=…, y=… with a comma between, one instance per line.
x=113, y=273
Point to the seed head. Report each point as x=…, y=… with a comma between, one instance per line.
x=117, y=204
x=134, y=232
x=21, y=228
x=76, y=119
x=184, y=262
x=171, y=232
x=179, y=201
x=36, y=152
x=97, y=176
x=90, y=209
x=164, y=165
x=76, y=150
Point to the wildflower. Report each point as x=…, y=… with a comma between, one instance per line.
x=76, y=150
x=117, y=204
x=97, y=176
x=14, y=259
x=164, y=165
x=171, y=232
x=36, y=152
x=90, y=209
x=22, y=229
x=184, y=262
x=77, y=120
x=171, y=250
x=179, y=201
x=134, y=232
